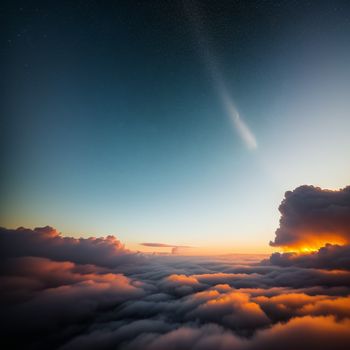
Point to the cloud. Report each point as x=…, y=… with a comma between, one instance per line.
x=304, y=333
x=233, y=310
x=47, y=242
x=327, y=257
x=205, y=337
x=314, y=229
x=176, y=249
x=163, y=245
x=51, y=300
x=300, y=333
x=284, y=306
x=312, y=217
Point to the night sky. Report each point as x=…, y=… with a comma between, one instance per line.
x=117, y=116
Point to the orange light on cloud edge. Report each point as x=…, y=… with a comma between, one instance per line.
x=313, y=244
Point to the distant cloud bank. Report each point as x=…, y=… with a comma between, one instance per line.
x=175, y=249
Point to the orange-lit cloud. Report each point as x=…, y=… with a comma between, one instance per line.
x=327, y=257
x=312, y=217
x=307, y=332
x=182, y=279
x=339, y=307
x=233, y=309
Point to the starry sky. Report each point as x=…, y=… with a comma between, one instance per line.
x=166, y=121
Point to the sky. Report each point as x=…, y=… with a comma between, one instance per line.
x=181, y=123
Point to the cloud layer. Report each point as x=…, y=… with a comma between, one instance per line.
x=91, y=293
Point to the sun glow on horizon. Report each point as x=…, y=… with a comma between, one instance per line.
x=314, y=245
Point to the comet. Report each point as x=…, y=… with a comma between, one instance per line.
x=219, y=84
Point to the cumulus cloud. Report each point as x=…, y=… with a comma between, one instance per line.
x=312, y=217
x=49, y=243
x=314, y=228
x=232, y=310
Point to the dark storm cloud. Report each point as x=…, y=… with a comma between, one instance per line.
x=68, y=293
x=311, y=216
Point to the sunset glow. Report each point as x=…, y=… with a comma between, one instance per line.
x=313, y=246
